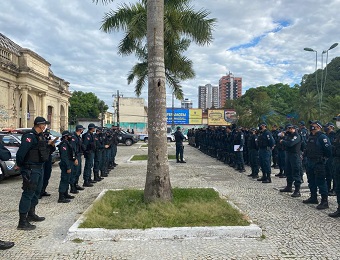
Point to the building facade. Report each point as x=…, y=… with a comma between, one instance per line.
x=131, y=113
x=28, y=88
x=186, y=103
x=208, y=97
x=230, y=88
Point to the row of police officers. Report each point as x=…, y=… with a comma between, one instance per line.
x=97, y=145
x=295, y=149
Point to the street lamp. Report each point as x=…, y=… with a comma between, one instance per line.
x=323, y=83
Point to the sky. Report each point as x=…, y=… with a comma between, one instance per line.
x=261, y=41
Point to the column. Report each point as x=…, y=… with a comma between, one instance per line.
x=43, y=111
x=24, y=98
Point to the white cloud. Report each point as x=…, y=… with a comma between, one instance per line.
x=248, y=41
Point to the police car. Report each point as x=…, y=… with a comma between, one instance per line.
x=12, y=143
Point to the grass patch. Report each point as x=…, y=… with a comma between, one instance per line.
x=190, y=207
x=143, y=157
x=77, y=240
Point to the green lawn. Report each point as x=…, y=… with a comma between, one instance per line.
x=142, y=157
x=190, y=207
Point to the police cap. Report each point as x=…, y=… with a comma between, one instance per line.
x=40, y=120
x=316, y=122
x=79, y=127
x=66, y=133
x=91, y=126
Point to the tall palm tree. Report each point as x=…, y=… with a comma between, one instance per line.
x=182, y=25
x=308, y=107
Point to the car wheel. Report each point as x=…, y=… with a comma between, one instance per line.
x=128, y=142
x=146, y=140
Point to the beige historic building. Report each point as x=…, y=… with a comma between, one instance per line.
x=28, y=88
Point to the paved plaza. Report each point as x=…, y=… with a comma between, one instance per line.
x=292, y=230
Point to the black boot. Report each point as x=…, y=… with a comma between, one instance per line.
x=78, y=187
x=296, y=192
x=87, y=184
x=73, y=189
x=96, y=176
x=288, y=188
x=335, y=214
x=103, y=174
x=62, y=198
x=24, y=224
x=68, y=196
x=31, y=216
x=311, y=200
x=6, y=245
x=324, y=202
x=268, y=179
x=262, y=178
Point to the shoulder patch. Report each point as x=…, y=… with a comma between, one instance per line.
x=325, y=140
x=28, y=139
x=64, y=148
x=88, y=138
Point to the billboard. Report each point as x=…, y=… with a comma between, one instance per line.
x=220, y=117
x=184, y=116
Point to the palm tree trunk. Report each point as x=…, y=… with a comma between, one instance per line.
x=157, y=186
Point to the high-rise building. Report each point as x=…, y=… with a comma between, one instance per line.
x=208, y=96
x=186, y=103
x=230, y=88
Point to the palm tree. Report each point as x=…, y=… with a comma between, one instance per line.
x=308, y=107
x=182, y=26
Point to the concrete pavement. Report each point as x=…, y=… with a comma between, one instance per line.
x=291, y=229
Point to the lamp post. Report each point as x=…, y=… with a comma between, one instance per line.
x=323, y=82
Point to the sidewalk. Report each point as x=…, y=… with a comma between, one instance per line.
x=292, y=229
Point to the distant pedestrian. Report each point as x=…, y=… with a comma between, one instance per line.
x=179, y=138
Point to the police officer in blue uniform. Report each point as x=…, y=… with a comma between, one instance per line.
x=329, y=129
x=336, y=166
x=98, y=153
x=76, y=143
x=254, y=154
x=89, y=148
x=318, y=150
x=47, y=166
x=238, y=149
x=67, y=160
x=292, y=142
x=5, y=155
x=266, y=143
x=179, y=137
x=30, y=157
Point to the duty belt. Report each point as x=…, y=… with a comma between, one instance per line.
x=34, y=166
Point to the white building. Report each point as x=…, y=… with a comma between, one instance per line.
x=186, y=103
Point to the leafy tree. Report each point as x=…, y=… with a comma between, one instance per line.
x=182, y=25
x=85, y=105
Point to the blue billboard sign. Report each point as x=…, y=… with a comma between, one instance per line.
x=181, y=116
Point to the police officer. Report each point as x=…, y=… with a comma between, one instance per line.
x=254, y=154
x=336, y=166
x=67, y=160
x=238, y=149
x=98, y=153
x=275, y=153
x=292, y=142
x=88, y=148
x=114, y=147
x=47, y=166
x=5, y=155
x=329, y=129
x=318, y=150
x=281, y=156
x=179, y=137
x=266, y=143
x=30, y=157
x=76, y=143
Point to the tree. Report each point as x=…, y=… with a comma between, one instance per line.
x=85, y=105
x=182, y=25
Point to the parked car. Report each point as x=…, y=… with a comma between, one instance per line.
x=127, y=138
x=55, y=155
x=12, y=143
x=145, y=137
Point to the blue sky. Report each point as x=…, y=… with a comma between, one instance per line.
x=260, y=41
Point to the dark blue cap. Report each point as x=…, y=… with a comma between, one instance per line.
x=302, y=123
x=40, y=120
x=78, y=127
x=66, y=133
x=91, y=126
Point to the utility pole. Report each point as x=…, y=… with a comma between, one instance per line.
x=117, y=106
x=173, y=112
